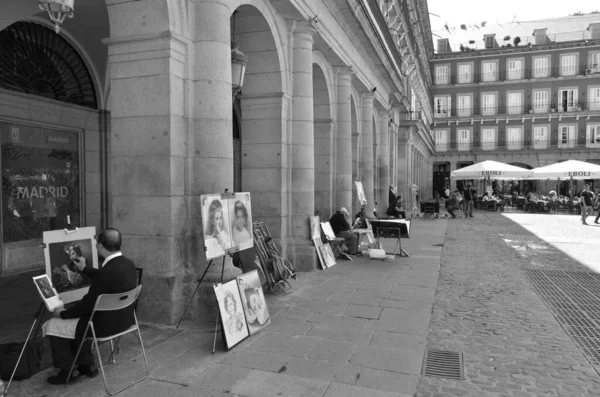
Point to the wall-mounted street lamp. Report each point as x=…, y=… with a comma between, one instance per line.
x=58, y=10
x=239, y=61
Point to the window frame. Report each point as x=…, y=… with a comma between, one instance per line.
x=575, y=102
x=518, y=110
x=446, y=132
x=448, y=106
x=544, y=144
x=494, y=108
x=590, y=64
x=522, y=70
x=593, y=104
x=571, y=138
x=537, y=75
x=462, y=146
x=508, y=141
x=469, y=110
x=575, y=63
x=592, y=143
x=494, y=62
x=492, y=145
x=447, y=80
x=471, y=72
x=548, y=92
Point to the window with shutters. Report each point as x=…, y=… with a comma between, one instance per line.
x=594, y=98
x=594, y=62
x=464, y=139
x=540, y=101
x=464, y=105
x=488, y=138
x=566, y=136
x=593, y=136
x=488, y=103
x=489, y=71
x=442, y=74
x=568, y=99
x=441, y=140
x=541, y=67
x=514, y=138
x=515, y=69
x=465, y=73
x=540, y=137
x=442, y=105
x=515, y=103
x=568, y=65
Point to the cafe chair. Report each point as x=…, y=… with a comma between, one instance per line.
x=108, y=303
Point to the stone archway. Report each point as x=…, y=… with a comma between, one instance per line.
x=323, y=141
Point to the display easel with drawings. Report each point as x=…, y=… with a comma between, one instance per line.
x=392, y=228
x=226, y=219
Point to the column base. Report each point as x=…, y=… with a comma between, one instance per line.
x=302, y=254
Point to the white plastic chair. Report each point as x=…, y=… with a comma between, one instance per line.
x=107, y=303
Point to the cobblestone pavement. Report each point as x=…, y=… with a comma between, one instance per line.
x=485, y=308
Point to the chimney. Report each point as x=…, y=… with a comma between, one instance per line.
x=594, y=28
x=489, y=40
x=540, y=36
x=443, y=46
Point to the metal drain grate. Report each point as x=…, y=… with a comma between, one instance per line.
x=573, y=299
x=443, y=364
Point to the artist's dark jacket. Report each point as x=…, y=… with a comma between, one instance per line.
x=118, y=275
x=338, y=223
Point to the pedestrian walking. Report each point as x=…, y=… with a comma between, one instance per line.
x=586, y=203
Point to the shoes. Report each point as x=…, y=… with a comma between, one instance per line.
x=61, y=377
x=88, y=370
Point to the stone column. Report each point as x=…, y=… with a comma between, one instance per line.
x=324, y=169
x=403, y=180
x=211, y=154
x=343, y=157
x=147, y=153
x=301, y=149
x=366, y=151
x=384, y=159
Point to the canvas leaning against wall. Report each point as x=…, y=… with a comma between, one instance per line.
x=62, y=252
x=230, y=308
x=253, y=301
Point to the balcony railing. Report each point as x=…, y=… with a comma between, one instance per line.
x=520, y=74
x=508, y=110
x=483, y=146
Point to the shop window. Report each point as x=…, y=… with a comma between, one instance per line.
x=40, y=181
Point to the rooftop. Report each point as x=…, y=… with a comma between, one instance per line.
x=564, y=29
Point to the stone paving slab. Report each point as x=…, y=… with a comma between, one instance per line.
x=332, y=351
x=340, y=333
x=388, y=359
x=267, y=384
x=286, y=345
x=326, y=371
x=342, y=390
x=362, y=311
x=256, y=360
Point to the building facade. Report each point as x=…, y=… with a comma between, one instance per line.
x=127, y=116
x=532, y=101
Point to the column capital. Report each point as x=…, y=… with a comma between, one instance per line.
x=367, y=98
x=301, y=27
x=344, y=72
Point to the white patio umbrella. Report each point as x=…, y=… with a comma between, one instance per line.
x=570, y=169
x=491, y=170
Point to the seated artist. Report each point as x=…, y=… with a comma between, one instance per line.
x=117, y=274
x=452, y=205
x=395, y=209
x=341, y=228
x=360, y=218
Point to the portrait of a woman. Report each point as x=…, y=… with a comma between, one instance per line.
x=240, y=233
x=216, y=237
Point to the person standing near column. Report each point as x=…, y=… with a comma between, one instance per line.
x=586, y=203
x=469, y=199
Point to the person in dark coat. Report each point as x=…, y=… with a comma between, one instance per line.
x=342, y=228
x=116, y=275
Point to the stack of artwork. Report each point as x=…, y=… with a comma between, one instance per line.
x=227, y=223
x=324, y=251
x=242, y=307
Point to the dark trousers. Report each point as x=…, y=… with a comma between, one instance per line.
x=451, y=210
x=351, y=241
x=64, y=350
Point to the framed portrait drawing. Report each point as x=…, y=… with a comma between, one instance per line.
x=232, y=315
x=360, y=192
x=253, y=301
x=63, y=253
x=240, y=213
x=315, y=231
x=215, y=225
x=318, y=246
